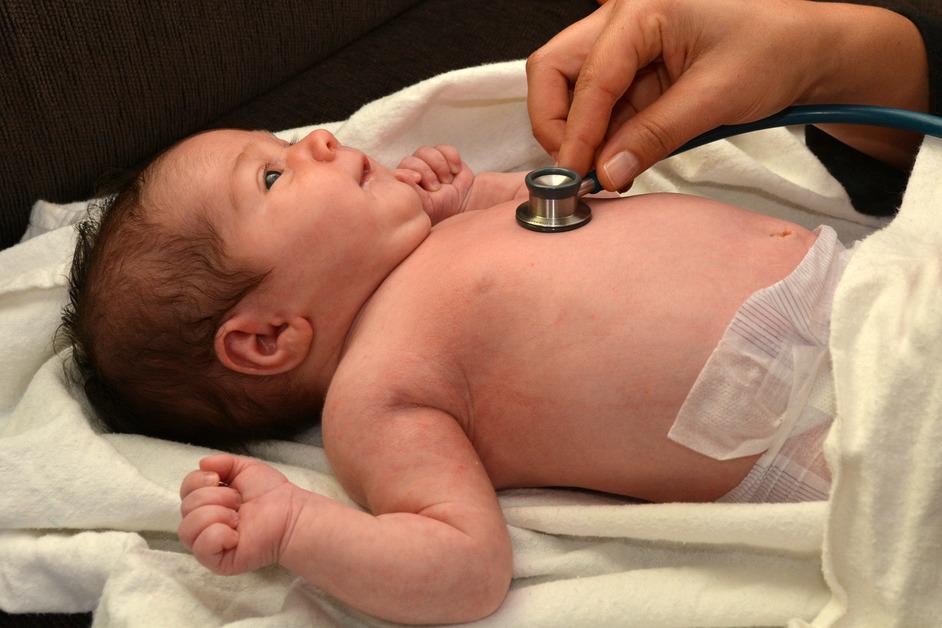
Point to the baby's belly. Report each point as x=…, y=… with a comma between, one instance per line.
x=588, y=342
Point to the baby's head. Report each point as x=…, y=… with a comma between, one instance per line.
x=211, y=297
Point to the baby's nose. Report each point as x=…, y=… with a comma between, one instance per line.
x=321, y=143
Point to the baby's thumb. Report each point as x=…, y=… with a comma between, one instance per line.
x=407, y=176
x=681, y=113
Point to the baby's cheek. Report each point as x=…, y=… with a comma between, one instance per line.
x=404, y=207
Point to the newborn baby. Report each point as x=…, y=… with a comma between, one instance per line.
x=674, y=349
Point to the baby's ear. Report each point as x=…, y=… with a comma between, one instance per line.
x=248, y=345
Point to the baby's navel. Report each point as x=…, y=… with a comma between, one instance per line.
x=784, y=233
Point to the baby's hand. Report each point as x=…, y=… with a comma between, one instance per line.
x=439, y=176
x=236, y=513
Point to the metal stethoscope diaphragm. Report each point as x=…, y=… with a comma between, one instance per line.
x=555, y=200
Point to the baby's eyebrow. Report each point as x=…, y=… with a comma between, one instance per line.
x=248, y=152
x=231, y=185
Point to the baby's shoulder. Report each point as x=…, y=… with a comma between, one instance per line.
x=389, y=366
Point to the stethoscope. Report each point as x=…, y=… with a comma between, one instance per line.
x=555, y=202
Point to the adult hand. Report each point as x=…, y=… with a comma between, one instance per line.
x=648, y=75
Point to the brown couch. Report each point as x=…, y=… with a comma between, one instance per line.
x=90, y=87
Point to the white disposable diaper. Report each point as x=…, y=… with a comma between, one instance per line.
x=767, y=386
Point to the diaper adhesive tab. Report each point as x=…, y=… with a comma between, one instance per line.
x=770, y=363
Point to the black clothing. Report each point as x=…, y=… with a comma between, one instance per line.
x=874, y=187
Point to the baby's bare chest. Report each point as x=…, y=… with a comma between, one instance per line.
x=552, y=353
x=542, y=375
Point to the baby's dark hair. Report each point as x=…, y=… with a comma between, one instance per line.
x=146, y=300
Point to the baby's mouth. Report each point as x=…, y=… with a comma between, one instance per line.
x=367, y=172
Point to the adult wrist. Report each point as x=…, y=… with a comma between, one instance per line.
x=867, y=55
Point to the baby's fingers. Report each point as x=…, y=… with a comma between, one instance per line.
x=429, y=180
x=226, y=466
x=211, y=496
x=407, y=176
x=195, y=480
x=437, y=161
x=201, y=518
x=451, y=156
x=212, y=542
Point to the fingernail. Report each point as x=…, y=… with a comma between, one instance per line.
x=621, y=168
x=435, y=186
x=455, y=168
x=210, y=478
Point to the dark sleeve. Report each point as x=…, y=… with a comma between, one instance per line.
x=874, y=187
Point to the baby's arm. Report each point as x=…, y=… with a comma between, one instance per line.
x=447, y=186
x=434, y=550
x=492, y=188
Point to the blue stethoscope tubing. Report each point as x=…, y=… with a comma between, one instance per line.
x=870, y=115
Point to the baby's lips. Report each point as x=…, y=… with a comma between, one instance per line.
x=365, y=169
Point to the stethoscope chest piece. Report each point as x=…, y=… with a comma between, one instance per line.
x=555, y=203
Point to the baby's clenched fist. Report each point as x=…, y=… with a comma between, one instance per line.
x=236, y=513
x=440, y=178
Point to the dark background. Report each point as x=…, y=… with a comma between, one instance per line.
x=87, y=88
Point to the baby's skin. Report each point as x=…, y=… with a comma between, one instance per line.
x=493, y=357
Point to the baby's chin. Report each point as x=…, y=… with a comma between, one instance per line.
x=401, y=198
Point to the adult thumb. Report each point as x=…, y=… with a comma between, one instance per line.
x=683, y=111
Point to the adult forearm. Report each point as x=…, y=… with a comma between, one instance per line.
x=401, y=567
x=870, y=55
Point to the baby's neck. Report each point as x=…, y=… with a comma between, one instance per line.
x=336, y=326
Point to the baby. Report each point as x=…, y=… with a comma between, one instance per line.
x=674, y=349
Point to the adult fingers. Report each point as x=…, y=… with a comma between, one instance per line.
x=630, y=40
x=693, y=105
x=648, y=86
x=551, y=72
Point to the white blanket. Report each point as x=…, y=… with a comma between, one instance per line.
x=87, y=520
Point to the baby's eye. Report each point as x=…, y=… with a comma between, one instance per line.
x=270, y=177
